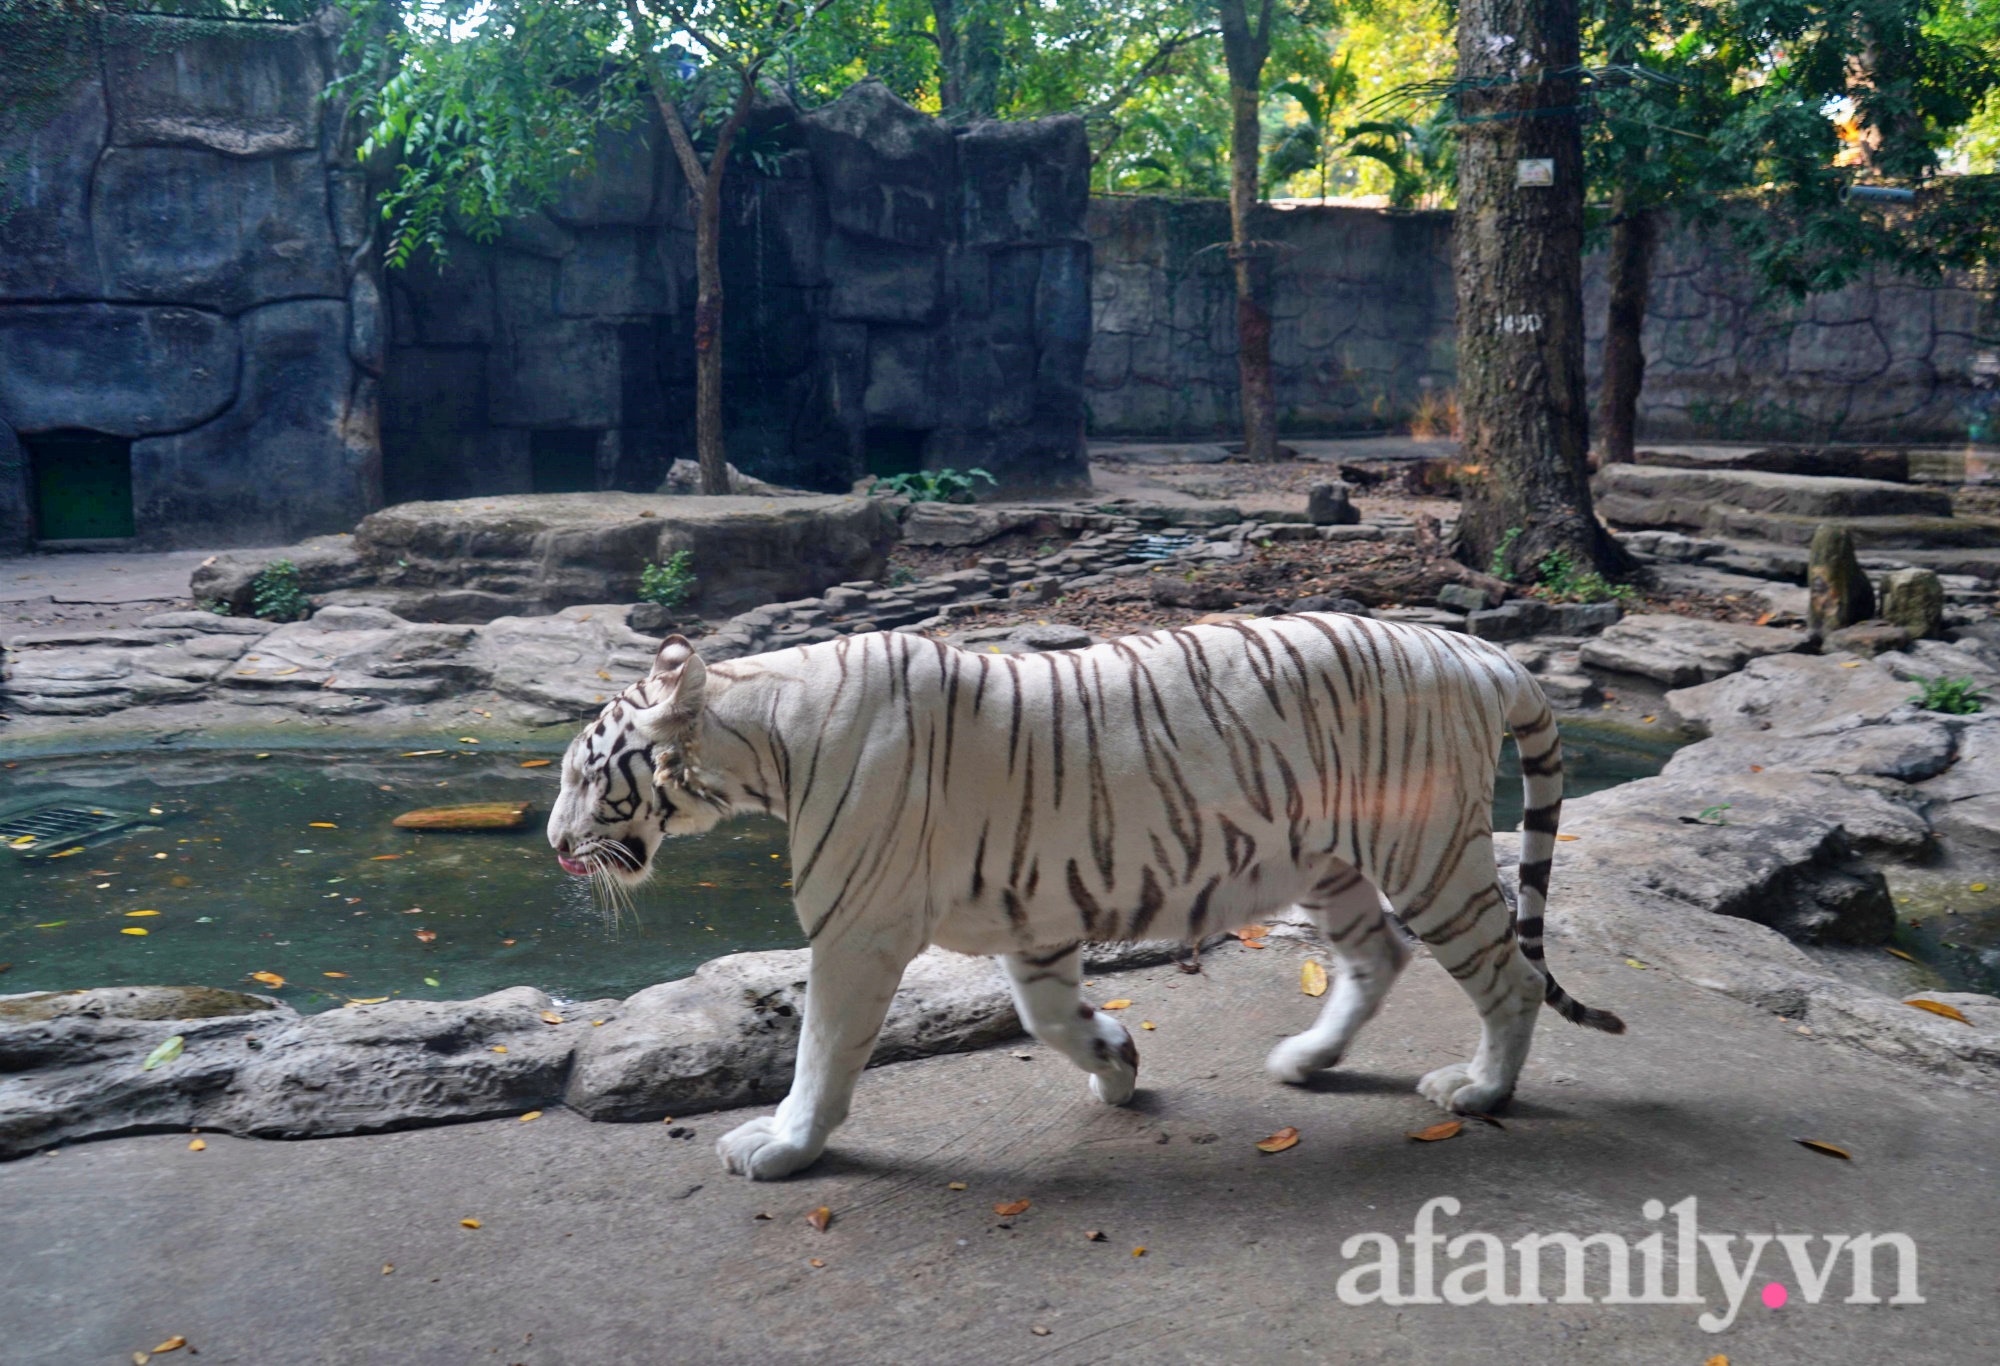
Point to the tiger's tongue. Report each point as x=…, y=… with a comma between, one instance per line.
x=570, y=865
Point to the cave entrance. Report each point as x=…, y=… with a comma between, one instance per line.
x=83, y=485
x=890, y=451
x=562, y=462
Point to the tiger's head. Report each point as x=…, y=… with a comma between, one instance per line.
x=634, y=777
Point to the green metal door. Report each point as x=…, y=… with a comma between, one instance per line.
x=83, y=486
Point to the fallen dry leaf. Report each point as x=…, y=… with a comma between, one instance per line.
x=550, y=1017
x=820, y=1218
x=1147, y=1024
x=1900, y=954
x=1717, y=1360
x=1437, y=1133
x=426, y=936
x=172, y=1344
x=1287, y=1137
x=1011, y=1208
x=760, y=1215
x=134, y=929
x=333, y=974
x=469, y=1223
x=419, y=753
x=1854, y=664
x=269, y=979
x=532, y=1114
x=1756, y=768
x=1830, y=1149
x=388, y=1268
x=1039, y=1331
x=1940, y=1008
x=322, y=825
x=468, y=739
x=499, y=1048
x=384, y=858
x=536, y=763
x=1567, y=838
x=1251, y=932
x=1095, y=1235
x=1138, y=1252
x=141, y=1358
x=130, y=914
x=198, y=1145
x=1119, y=1004
x=1312, y=978
x=814, y=1262
x=954, y=1185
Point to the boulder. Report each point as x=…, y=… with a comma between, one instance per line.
x=1464, y=597
x=325, y=563
x=1654, y=496
x=1793, y=694
x=1678, y=651
x=1515, y=620
x=1050, y=637
x=540, y=552
x=1911, y=752
x=1838, y=592
x=1867, y=639
x=728, y=1035
x=1914, y=600
x=1331, y=504
x=957, y=524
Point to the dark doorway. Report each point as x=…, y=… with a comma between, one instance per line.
x=83, y=485
x=893, y=450
x=562, y=462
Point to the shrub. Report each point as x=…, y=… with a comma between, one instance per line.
x=1952, y=696
x=932, y=486
x=1501, y=566
x=1560, y=579
x=670, y=584
x=278, y=595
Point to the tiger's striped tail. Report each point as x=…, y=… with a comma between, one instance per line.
x=1540, y=748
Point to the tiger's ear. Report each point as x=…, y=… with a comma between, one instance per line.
x=680, y=681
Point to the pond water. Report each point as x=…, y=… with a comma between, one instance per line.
x=287, y=864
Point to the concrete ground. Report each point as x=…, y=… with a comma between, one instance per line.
x=110, y=588
x=605, y=1244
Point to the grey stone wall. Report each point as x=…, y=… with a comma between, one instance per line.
x=179, y=267
x=1362, y=304
x=899, y=292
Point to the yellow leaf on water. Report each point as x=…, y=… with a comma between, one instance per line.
x=469, y=1223
x=1312, y=978
x=333, y=974
x=550, y=1017
x=820, y=1218
x=368, y=1000
x=1648, y=720
x=198, y=1145
x=1437, y=1133
x=269, y=979
x=322, y=825
x=140, y=913
x=1900, y=954
x=418, y=753
x=1978, y=887
x=468, y=739
x=1830, y=1149
x=383, y=858
x=1010, y=1208
x=1119, y=1004
x=532, y=1114
x=77, y=850
x=1940, y=1008
x=536, y=763
x=133, y=929
x=1287, y=1137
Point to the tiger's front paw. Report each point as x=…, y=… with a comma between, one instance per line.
x=1454, y=1088
x=761, y=1152
x=1117, y=1074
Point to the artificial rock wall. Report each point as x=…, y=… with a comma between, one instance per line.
x=181, y=267
x=900, y=294
x=1363, y=324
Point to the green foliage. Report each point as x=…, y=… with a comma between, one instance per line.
x=1558, y=578
x=901, y=575
x=1501, y=566
x=1952, y=696
x=670, y=584
x=932, y=486
x=213, y=605
x=1710, y=815
x=277, y=594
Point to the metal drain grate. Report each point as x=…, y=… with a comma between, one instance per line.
x=47, y=830
x=1160, y=547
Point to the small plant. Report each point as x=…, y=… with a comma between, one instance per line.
x=932, y=486
x=278, y=595
x=1710, y=815
x=215, y=605
x=1435, y=415
x=1560, y=579
x=1501, y=566
x=670, y=584
x=901, y=574
x=1952, y=696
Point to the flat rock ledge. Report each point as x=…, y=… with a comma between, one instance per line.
x=71, y=1063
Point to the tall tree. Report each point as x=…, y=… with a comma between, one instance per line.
x=1716, y=115
x=740, y=37
x=1246, y=45
x=1519, y=247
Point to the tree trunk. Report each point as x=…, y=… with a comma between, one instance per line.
x=1245, y=50
x=951, y=60
x=1630, y=271
x=1519, y=251
x=705, y=192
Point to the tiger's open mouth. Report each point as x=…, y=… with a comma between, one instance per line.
x=624, y=859
x=575, y=866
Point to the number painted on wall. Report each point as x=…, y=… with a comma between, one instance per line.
x=1514, y=323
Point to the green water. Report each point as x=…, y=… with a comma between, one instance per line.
x=283, y=865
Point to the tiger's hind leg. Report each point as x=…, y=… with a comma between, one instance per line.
x=1045, y=992
x=1370, y=954
x=1470, y=930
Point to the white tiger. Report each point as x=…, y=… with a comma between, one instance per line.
x=1160, y=786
